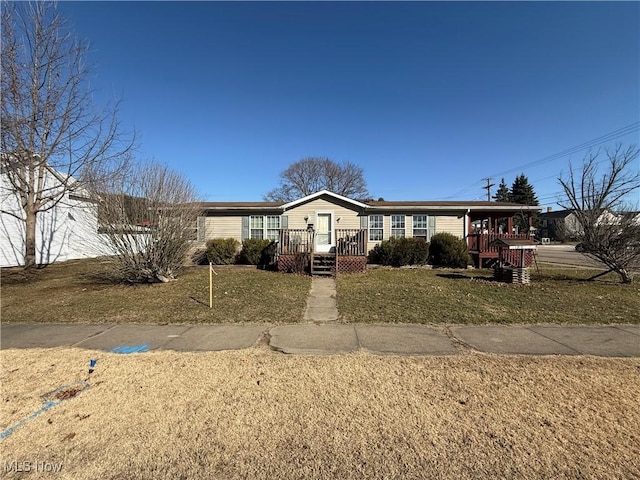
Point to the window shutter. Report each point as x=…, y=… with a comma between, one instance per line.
x=284, y=222
x=364, y=222
x=432, y=227
x=201, y=226
x=245, y=228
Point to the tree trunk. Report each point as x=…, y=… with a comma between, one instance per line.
x=30, y=240
x=626, y=276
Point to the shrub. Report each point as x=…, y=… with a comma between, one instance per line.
x=198, y=256
x=447, y=250
x=400, y=251
x=222, y=251
x=257, y=251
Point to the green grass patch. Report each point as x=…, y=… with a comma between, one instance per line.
x=472, y=297
x=76, y=292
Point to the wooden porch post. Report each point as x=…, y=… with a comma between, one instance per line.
x=510, y=224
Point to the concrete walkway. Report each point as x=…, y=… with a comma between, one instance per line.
x=321, y=303
x=327, y=339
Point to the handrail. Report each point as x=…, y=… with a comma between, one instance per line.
x=479, y=242
x=292, y=241
x=351, y=242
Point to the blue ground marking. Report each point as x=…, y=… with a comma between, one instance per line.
x=45, y=407
x=131, y=348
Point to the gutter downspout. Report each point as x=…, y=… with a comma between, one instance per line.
x=465, y=226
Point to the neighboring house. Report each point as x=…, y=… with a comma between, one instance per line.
x=69, y=230
x=560, y=225
x=563, y=225
x=326, y=223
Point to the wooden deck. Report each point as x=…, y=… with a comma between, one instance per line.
x=353, y=243
x=296, y=252
x=348, y=242
x=481, y=251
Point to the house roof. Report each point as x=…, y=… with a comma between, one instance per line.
x=313, y=196
x=409, y=205
x=239, y=205
x=433, y=203
x=556, y=214
x=472, y=205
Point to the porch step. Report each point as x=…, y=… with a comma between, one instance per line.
x=323, y=264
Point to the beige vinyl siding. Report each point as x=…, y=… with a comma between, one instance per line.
x=348, y=218
x=224, y=227
x=386, y=222
x=450, y=224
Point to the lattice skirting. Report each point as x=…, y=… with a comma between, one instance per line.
x=351, y=264
x=298, y=263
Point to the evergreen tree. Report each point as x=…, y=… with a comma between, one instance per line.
x=522, y=191
x=503, y=194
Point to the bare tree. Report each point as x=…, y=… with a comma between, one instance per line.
x=149, y=220
x=607, y=226
x=52, y=136
x=312, y=174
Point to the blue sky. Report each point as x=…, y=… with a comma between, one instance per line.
x=428, y=98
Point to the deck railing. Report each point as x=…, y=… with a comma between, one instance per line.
x=293, y=241
x=351, y=242
x=479, y=242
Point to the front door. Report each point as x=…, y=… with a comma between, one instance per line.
x=324, y=234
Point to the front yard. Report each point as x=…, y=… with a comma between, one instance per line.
x=471, y=297
x=71, y=292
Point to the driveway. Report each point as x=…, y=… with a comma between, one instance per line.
x=565, y=255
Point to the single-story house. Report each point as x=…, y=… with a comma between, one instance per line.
x=560, y=225
x=327, y=224
x=563, y=225
x=67, y=230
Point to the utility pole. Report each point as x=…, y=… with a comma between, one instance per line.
x=488, y=188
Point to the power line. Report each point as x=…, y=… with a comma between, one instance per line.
x=607, y=137
x=621, y=132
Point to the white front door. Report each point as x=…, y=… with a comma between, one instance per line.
x=324, y=234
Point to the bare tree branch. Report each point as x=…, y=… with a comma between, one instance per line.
x=312, y=174
x=149, y=218
x=608, y=222
x=51, y=134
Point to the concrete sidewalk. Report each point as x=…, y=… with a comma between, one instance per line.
x=328, y=339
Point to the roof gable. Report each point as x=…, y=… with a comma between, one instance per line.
x=313, y=196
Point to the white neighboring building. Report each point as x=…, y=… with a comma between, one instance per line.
x=67, y=231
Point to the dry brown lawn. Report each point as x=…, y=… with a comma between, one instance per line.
x=74, y=292
x=259, y=414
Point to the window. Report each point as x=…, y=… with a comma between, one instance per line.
x=273, y=227
x=257, y=227
x=265, y=227
x=421, y=227
x=397, y=226
x=375, y=228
